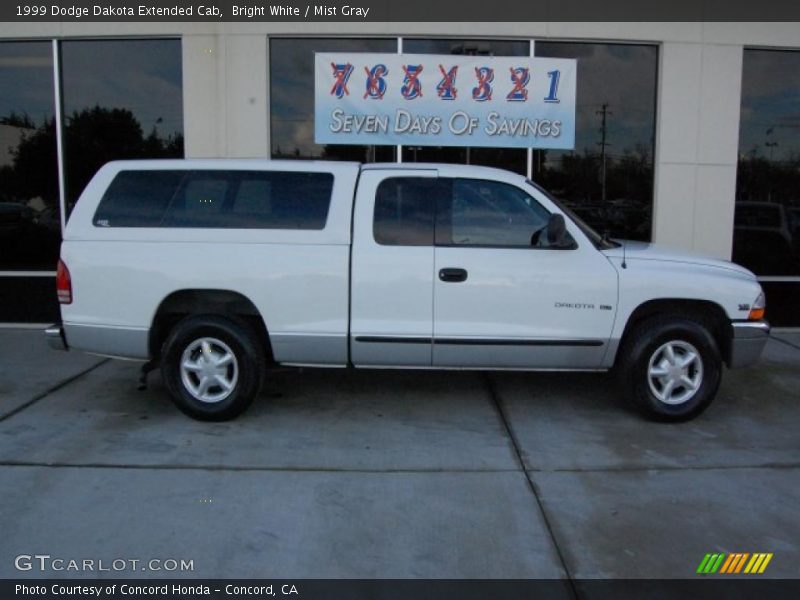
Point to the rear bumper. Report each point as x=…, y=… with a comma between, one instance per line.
x=55, y=337
x=747, y=342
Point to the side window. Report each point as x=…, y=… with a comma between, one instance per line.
x=490, y=213
x=200, y=202
x=217, y=199
x=288, y=200
x=405, y=209
x=137, y=198
x=253, y=199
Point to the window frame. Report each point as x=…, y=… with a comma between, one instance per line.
x=763, y=266
x=618, y=230
x=271, y=81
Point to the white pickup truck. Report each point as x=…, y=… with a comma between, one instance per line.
x=216, y=269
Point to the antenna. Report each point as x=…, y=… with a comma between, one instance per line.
x=624, y=255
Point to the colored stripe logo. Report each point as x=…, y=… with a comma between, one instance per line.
x=734, y=563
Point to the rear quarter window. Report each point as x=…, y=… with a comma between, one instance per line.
x=137, y=198
x=217, y=199
x=405, y=210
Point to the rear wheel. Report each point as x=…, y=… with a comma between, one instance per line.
x=671, y=368
x=212, y=367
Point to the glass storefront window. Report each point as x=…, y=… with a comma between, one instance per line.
x=123, y=99
x=766, y=230
x=30, y=220
x=291, y=68
x=512, y=159
x=608, y=178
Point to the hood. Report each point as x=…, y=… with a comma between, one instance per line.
x=644, y=251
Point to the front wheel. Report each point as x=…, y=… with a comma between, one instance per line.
x=671, y=368
x=212, y=367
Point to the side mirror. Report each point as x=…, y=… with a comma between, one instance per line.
x=557, y=234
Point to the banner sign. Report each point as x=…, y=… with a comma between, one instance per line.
x=444, y=100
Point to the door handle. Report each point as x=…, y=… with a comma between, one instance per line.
x=453, y=275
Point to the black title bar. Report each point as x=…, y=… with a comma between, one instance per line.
x=730, y=588
x=399, y=10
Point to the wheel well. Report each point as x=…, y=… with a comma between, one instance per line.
x=708, y=313
x=183, y=303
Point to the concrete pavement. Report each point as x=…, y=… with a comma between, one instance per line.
x=395, y=474
x=29, y=368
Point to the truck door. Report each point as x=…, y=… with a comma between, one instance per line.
x=391, y=321
x=500, y=301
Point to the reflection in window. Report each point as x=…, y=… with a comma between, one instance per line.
x=122, y=100
x=608, y=178
x=404, y=210
x=490, y=213
x=513, y=159
x=291, y=68
x=137, y=198
x=217, y=199
x=766, y=233
x=30, y=226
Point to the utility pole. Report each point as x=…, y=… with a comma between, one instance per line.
x=771, y=146
x=603, y=112
x=768, y=143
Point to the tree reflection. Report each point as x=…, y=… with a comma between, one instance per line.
x=29, y=218
x=94, y=136
x=576, y=178
x=29, y=207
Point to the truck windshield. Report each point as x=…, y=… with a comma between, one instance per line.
x=600, y=242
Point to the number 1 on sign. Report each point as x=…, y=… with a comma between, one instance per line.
x=553, y=95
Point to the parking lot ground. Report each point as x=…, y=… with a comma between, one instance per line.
x=29, y=368
x=288, y=524
x=393, y=474
x=787, y=338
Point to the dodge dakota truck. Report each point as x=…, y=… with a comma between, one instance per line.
x=214, y=270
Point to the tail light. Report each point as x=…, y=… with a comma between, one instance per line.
x=63, y=284
x=758, y=309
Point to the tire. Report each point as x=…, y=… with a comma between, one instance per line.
x=223, y=387
x=666, y=345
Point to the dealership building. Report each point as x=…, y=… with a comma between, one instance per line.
x=687, y=134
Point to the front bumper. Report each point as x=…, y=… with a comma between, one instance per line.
x=55, y=337
x=747, y=342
